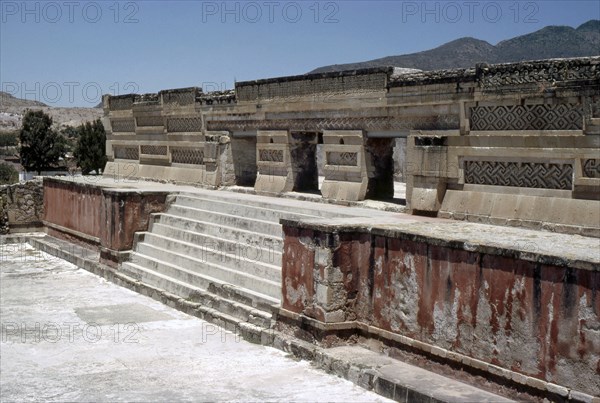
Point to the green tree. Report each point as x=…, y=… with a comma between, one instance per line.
x=69, y=132
x=8, y=174
x=90, y=151
x=8, y=142
x=41, y=146
x=8, y=139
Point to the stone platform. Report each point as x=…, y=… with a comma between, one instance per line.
x=467, y=295
x=85, y=339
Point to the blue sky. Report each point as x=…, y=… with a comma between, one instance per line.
x=65, y=53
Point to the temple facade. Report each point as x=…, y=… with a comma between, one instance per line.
x=505, y=144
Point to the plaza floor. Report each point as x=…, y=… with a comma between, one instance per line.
x=68, y=335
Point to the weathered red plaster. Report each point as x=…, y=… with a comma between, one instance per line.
x=539, y=320
x=102, y=218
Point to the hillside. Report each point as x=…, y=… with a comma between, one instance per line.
x=12, y=110
x=547, y=43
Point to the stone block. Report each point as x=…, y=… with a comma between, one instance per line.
x=356, y=168
x=273, y=160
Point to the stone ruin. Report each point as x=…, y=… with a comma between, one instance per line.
x=510, y=144
x=513, y=144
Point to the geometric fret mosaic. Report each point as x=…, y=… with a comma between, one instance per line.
x=153, y=150
x=591, y=168
x=342, y=158
x=527, y=117
x=126, y=153
x=184, y=124
x=521, y=174
x=270, y=155
x=181, y=155
x=122, y=125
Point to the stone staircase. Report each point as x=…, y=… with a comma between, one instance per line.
x=222, y=252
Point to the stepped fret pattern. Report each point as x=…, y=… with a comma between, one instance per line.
x=122, y=125
x=153, y=150
x=193, y=156
x=527, y=117
x=179, y=98
x=178, y=125
x=270, y=155
x=120, y=104
x=439, y=122
x=127, y=153
x=150, y=121
x=342, y=158
x=520, y=174
x=591, y=168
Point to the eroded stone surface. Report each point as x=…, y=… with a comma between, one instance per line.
x=164, y=355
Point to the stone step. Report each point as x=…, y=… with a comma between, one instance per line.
x=592, y=129
x=267, y=212
x=233, y=234
x=181, y=267
x=229, y=220
x=238, y=310
x=270, y=203
x=266, y=250
x=203, y=282
x=239, y=260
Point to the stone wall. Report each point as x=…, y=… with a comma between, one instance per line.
x=502, y=133
x=4, y=227
x=512, y=311
x=73, y=209
x=101, y=218
x=399, y=156
x=22, y=206
x=316, y=85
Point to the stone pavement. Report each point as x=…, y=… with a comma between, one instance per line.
x=68, y=335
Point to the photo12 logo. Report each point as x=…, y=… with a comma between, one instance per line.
x=253, y=12
x=54, y=332
x=53, y=12
x=66, y=92
x=470, y=11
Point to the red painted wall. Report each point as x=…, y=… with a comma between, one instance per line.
x=73, y=205
x=541, y=320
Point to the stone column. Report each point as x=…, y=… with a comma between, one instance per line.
x=356, y=168
x=426, y=173
x=273, y=160
x=218, y=162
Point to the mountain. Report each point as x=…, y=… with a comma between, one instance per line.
x=8, y=101
x=547, y=43
x=12, y=110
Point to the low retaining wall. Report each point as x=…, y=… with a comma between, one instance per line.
x=21, y=207
x=518, y=313
x=99, y=217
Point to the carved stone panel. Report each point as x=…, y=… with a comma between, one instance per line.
x=119, y=104
x=270, y=155
x=342, y=158
x=122, y=125
x=438, y=122
x=126, y=152
x=179, y=98
x=527, y=117
x=153, y=150
x=519, y=174
x=591, y=168
x=190, y=124
x=150, y=121
x=181, y=155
